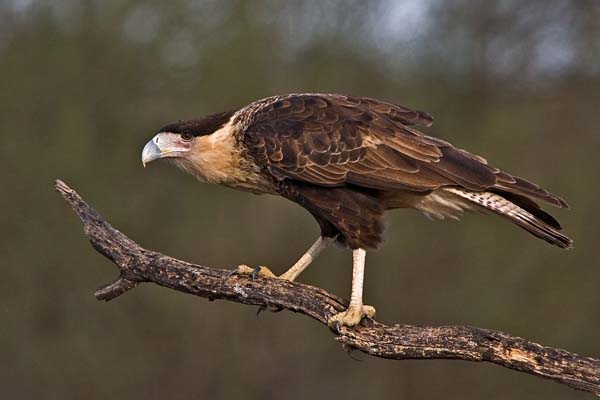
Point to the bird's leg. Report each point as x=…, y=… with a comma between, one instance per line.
x=356, y=310
x=318, y=246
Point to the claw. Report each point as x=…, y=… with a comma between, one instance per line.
x=255, y=272
x=336, y=327
x=232, y=273
x=260, y=309
x=273, y=309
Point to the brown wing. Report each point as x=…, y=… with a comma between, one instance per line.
x=335, y=140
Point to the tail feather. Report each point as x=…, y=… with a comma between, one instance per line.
x=529, y=205
x=520, y=210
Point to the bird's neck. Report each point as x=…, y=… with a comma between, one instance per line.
x=218, y=159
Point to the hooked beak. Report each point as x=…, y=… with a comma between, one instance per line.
x=151, y=152
x=164, y=145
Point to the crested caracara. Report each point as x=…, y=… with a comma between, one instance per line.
x=347, y=160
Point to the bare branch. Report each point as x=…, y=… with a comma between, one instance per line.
x=137, y=265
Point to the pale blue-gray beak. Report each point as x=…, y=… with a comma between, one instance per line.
x=151, y=152
x=165, y=144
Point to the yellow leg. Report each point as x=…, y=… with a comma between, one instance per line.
x=356, y=310
x=308, y=257
x=292, y=273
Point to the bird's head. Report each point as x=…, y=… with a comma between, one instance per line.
x=184, y=139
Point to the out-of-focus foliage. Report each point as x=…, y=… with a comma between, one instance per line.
x=85, y=83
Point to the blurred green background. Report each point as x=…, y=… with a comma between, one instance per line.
x=86, y=83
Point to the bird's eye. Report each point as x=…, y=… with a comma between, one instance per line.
x=187, y=136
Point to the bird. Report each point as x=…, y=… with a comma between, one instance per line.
x=348, y=160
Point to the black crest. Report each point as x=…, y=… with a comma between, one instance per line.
x=199, y=126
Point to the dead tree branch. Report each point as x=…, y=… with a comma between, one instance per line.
x=137, y=265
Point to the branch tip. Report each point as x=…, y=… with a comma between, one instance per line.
x=114, y=289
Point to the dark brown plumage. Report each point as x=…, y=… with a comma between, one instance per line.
x=199, y=126
x=349, y=159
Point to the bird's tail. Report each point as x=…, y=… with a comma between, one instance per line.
x=520, y=210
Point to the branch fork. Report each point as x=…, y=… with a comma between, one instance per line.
x=137, y=264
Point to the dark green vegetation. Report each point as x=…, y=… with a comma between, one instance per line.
x=85, y=84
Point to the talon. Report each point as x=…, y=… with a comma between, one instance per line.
x=273, y=309
x=255, y=272
x=337, y=326
x=351, y=317
x=260, y=309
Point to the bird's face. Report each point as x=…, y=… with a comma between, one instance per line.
x=168, y=144
x=184, y=140
x=205, y=148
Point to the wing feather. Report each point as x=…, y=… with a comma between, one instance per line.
x=334, y=140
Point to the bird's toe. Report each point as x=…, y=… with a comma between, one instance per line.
x=368, y=311
x=242, y=269
x=253, y=272
x=261, y=270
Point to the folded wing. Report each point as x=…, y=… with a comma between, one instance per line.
x=334, y=140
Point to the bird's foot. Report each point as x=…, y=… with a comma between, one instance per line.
x=351, y=317
x=253, y=272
